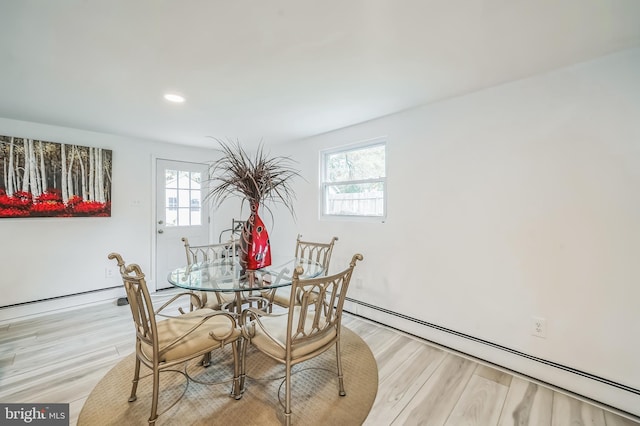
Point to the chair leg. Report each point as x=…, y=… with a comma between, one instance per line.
x=206, y=360
x=340, y=374
x=238, y=380
x=154, y=399
x=243, y=367
x=287, y=390
x=136, y=378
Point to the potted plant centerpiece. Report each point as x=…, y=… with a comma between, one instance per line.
x=259, y=180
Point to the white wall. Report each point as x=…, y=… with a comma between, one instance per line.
x=49, y=257
x=517, y=201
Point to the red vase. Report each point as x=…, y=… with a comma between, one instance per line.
x=255, y=251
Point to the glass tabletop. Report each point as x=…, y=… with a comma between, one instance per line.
x=226, y=275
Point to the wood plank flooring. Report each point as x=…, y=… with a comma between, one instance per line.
x=59, y=357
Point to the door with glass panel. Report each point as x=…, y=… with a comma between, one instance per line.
x=180, y=212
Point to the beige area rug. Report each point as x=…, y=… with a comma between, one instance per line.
x=315, y=399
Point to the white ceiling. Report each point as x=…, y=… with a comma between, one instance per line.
x=279, y=70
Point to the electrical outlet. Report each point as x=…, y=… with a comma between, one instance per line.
x=109, y=272
x=359, y=283
x=539, y=327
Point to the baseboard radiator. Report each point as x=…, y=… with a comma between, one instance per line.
x=43, y=306
x=48, y=299
x=495, y=346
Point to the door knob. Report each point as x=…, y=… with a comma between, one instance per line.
x=160, y=231
x=160, y=222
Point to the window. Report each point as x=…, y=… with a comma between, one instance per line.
x=354, y=181
x=182, y=191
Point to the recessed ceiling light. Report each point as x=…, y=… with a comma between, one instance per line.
x=172, y=97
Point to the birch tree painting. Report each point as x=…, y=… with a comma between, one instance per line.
x=53, y=179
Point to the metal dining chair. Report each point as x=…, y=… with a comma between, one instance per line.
x=163, y=345
x=310, y=326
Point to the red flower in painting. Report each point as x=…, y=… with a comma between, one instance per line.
x=50, y=195
x=23, y=195
x=48, y=208
x=74, y=199
x=13, y=212
x=19, y=201
x=89, y=208
x=49, y=204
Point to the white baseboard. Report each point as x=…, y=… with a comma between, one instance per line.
x=11, y=313
x=609, y=397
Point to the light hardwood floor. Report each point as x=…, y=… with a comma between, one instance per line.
x=59, y=357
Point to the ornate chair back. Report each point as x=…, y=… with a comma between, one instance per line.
x=140, y=303
x=206, y=253
x=319, y=301
x=319, y=252
x=311, y=250
x=235, y=232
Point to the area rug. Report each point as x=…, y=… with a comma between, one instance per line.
x=315, y=399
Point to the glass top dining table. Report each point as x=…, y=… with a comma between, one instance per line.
x=226, y=275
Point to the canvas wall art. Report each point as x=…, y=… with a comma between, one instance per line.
x=50, y=179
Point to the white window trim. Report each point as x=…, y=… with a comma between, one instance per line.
x=323, y=184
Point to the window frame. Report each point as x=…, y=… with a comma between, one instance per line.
x=324, y=183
